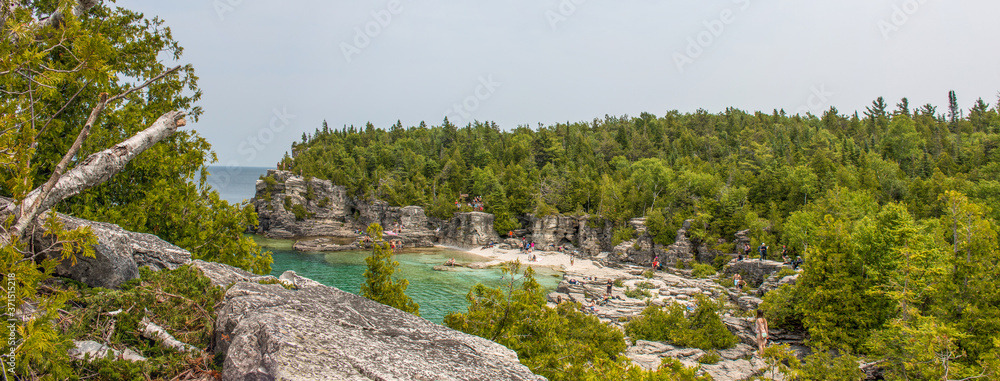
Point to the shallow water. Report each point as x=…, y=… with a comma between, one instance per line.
x=437, y=292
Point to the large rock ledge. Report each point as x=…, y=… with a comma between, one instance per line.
x=317, y=332
x=118, y=254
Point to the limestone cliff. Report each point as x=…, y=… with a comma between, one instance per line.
x=468, y=230
x=291, y=206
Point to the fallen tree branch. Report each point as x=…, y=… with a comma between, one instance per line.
x=154, y=332
x=93, y=170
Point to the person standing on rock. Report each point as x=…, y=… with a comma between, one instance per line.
x=761, y=325
x=610, y=284
x=763, y=251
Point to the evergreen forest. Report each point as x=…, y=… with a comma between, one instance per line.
x=892, y=208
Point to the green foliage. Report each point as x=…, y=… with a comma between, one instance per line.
x=504, y=222
x=711, y=357
x=703, y=329
x=379, y=284
x=619, y=283
x=821, y=366
x=720, y=261
x=782, y=307
x=622, y=234
x=644, y=285
x=656, y=227
x=781, y=361
x=301, y=214
x=60, y=75
x=560, y=343
x=785, y=272
x=182, y=301
x=637, y=293
x=702, y=270
x=324, y=202
x=288, y=203
x=648, y=274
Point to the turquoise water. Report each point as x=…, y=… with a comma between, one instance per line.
x=437, y=292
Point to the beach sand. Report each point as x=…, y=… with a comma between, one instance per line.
x=551, y=259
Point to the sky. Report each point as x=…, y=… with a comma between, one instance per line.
x=271, y=70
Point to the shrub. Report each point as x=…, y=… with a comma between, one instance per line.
x=702, y=270
x=301, y=213
x=644, y=285
x=704, y=329
x=182, y=301
x=324, y=202
x=721, y=261
x=618, y=283
x=637, y=293
x=779, y=307
x=785, y=272
x=648, y=274
x=288, y=203
x=622, y=234
x=711, y=357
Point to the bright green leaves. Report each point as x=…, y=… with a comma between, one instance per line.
x=702, y=329
x=379, y=284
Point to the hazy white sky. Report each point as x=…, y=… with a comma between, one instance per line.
x=271, y=70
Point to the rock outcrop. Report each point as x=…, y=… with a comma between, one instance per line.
x=290, y=206
x=118, y=254
x=325, y=205
x=571, y=232
x=316, y=332
x=753, y=271
x=733, y=365
x=468, y=230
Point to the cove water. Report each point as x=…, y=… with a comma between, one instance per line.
x=437, y=292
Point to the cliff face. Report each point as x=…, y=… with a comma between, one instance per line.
x=468, y=230
x=571, y=232
x=324, y=209
x=290, y=206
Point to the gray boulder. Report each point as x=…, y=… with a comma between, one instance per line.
x=118, y=254
x=321, y=333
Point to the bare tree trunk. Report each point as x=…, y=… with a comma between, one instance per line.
x=95, y=169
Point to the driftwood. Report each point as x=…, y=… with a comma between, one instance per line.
x=154, y=332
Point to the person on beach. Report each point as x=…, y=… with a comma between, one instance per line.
x=761, y=325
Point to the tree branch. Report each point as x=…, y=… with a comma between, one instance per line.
x=95, y=169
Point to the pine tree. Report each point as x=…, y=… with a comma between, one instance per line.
x=379, y=284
